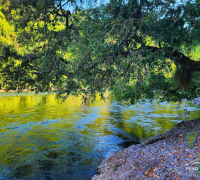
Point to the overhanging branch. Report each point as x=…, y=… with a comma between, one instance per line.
x=175, y=55
x=170, y=53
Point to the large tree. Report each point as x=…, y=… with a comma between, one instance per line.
x=137, y=49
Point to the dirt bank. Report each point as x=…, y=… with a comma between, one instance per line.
x=22, y=90
x=172, y=155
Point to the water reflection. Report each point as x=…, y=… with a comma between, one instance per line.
x=42, y=138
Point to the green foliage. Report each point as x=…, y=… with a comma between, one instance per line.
x=191, y=138
x=183, y=76
x=198, y=171
x=7, y=33
x=198, y=165
x=127, y=48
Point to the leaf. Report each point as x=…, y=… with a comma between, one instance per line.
x=178, y=178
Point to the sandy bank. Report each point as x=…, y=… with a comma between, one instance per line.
x=23, y=90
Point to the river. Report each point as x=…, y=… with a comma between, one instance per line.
x=43, y=138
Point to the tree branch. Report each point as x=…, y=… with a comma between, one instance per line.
x=72, y=26
x=62, y=9
x=66, y=62
x=43, y=72
x=175, y=55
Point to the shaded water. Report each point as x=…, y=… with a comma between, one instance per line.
x=42, y=138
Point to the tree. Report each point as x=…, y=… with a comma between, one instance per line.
x=7, y=38
x=136, y=49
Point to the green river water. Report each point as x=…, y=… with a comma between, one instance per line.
x=43, y=138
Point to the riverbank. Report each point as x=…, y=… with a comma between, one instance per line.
x=22, y=90
x=172, y=155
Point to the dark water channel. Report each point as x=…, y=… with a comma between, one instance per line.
x=44, y=139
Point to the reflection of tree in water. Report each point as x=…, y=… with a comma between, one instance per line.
x=42, y=108
x=44, y=99
x=118, y=121
x=54, y=164
x=53, y=154
x=46, y=164
x=46, y=167
x=75, y=160
x=81, y=156
x=23, y=102
x=23, y=171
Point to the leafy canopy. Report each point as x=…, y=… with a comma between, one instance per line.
x=138, y=49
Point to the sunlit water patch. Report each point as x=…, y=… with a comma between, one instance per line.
x=42, y=138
